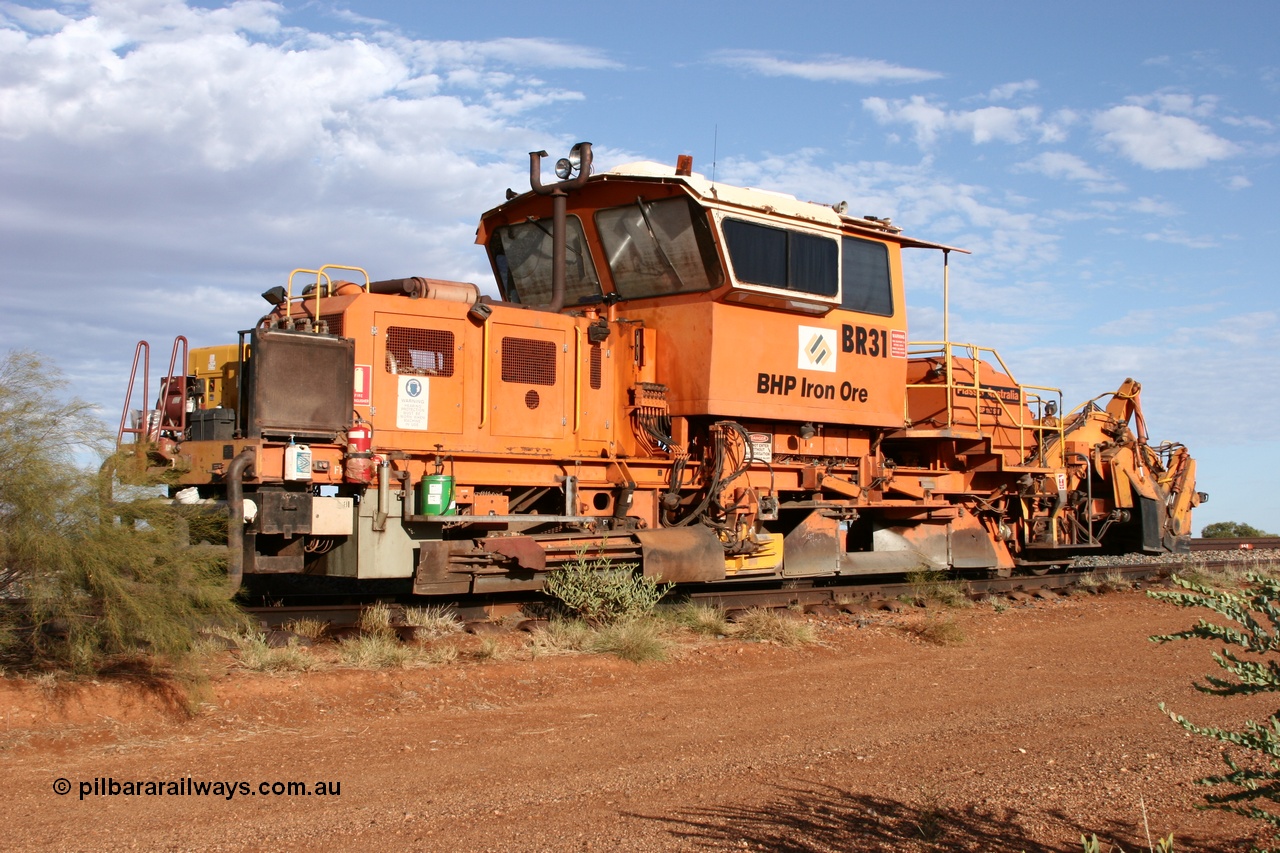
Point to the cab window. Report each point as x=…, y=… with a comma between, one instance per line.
x=782, y=258
x=867, y=287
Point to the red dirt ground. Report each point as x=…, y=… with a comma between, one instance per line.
x=1041, y=725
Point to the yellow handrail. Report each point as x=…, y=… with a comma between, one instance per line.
x=1028, y=395
x=323, y=281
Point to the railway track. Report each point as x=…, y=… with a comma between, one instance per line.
x=1215, y=555
x=1244, y=544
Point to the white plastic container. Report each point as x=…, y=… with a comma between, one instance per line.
x=297, y=462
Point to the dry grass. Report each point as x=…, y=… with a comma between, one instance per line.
x=310, y=629
x=433, y=621
x=375, y=621
x=701, y=619
x=490, y=648
x=254, y=654
x=997, y=603
x=938, y=631
x=762, y=625
x=934, y=587
x=562, y=636
x=374, y=651
x=440, y=654
x=637, y=640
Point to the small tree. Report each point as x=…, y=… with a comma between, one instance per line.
x=1251, y=787
x=1232, y=530
x=84, y=587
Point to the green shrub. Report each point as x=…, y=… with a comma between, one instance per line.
x=1251, y=637
x=600, y=593
x=93, y=584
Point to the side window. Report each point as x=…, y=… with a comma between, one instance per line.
x=867, y=286
x=778, y=257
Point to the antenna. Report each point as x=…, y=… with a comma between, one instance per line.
x=715, y=146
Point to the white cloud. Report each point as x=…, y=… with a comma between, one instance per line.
x=1009, y=90
x=1251, y=122
x=1181, y=238
x=1064, y=166
x=1181, y=103
x=931, y=121
x=162, y=164
x=827, y=68
x=1158, y=141
x=1239, y=182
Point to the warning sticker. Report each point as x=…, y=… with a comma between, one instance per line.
x=762, y=446
x=411, y=403
x=897, y=343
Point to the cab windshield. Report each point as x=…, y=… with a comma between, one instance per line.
x=657, y=248
x=522, y=256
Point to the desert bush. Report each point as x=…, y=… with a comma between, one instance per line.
x=600, y=593
x=763, y=625
x=1251, y=636
x=91, y=584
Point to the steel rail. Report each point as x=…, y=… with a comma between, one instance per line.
x=803, y=593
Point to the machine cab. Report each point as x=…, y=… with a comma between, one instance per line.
x=763, y=304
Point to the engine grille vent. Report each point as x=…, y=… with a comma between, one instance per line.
x=528, y=362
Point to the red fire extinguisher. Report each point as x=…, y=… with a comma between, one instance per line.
x=359, y=437
x=359, y=462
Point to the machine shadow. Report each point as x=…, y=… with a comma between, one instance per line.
x=824, y=818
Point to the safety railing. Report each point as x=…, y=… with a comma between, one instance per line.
x=323, y=284
x=1042, y=403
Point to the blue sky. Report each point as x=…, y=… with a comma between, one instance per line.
x=1113, y=167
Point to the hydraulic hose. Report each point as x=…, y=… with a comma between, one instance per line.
x=235, y=516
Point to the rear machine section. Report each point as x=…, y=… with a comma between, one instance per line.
x=705, y=382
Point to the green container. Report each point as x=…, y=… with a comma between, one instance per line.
x=435, y=495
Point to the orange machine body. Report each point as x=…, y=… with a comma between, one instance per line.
x=705, y=381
